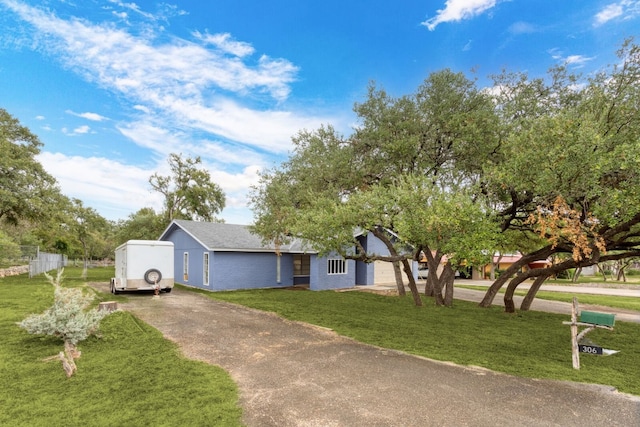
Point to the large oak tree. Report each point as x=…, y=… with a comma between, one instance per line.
x=333, y=186
x=569, y=166
x=27, y=191
x=189, y=192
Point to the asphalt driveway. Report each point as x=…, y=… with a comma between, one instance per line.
x=294, y=374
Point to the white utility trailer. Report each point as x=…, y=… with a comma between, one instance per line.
x=143, y=265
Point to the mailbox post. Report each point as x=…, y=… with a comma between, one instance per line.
x=591, y=320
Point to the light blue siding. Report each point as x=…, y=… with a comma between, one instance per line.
x=374, y=246
x=241, y=270
x=364, y=271
x=231, y=269
x=184, y=243
x=321, y=280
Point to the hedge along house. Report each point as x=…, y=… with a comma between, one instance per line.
x=220, y=257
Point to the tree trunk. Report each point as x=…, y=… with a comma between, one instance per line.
x=509, y=305
x=513, y=269
x=624, y=276
x=108, y=306
x=67, y=357
x=412, y=283
x=381, y=234
x=399, y=282
x=621, y=271
x=576, y=274
x=434, y=285
x=604, y=275
x=429, y=286
x=436, y=280
x=533, y=290
x=494, y=266
x=448, y=278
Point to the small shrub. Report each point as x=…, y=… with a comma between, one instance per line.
x=69, y=318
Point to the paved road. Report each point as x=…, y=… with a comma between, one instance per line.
x=601, y=289
x=540, y=304
x=293, y=374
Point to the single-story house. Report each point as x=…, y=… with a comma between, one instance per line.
x=218, y=257
x=504, y=261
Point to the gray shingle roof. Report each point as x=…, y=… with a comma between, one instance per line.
x=230, y=237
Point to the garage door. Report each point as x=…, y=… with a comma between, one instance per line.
x=383, y=272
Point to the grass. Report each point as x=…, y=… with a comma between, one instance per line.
x=529, y=344
x=627, y=303
x=631, y=280
x=129, y=376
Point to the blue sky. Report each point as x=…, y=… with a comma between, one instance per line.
x=113, y=87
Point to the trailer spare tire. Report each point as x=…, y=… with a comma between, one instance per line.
x=152, y=276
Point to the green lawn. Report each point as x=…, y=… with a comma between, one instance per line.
x=130, y=376
x=530, y=344
x=631, y=280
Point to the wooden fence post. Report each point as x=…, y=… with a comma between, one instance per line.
x=575, y=353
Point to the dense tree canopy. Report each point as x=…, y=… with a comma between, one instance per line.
x=26, y=189
x=569, y=167
x=145, y=224
x=189, y=191
x=545, y=166
x=333, y=185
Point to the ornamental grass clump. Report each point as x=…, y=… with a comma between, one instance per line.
x=69, y=318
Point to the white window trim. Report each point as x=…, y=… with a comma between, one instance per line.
x=205, y=268
x=185, y=266
x=336, y=266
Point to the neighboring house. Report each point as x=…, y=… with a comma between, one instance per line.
x=505, y=261
x=218, y=257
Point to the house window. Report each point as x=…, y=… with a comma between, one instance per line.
x=301, y=265
x=185, y=266
x=205, y=269
x=336, y=266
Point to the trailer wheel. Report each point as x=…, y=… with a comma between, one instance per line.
x=152, y=276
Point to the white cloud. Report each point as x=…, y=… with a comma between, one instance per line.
x=116, y=189
x=163, y=142
x=576, y=61
x=211, y=97
x=80, y=130
x=522, y=27
x=627, y=9
x=267, y=130
x=94, y=117
x=187, y=83
x=457, y=10
x=112, y=188
x=132, y=7
x=609, y=12
x=225, y=42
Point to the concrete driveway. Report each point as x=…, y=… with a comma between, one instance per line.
x=293, y=374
